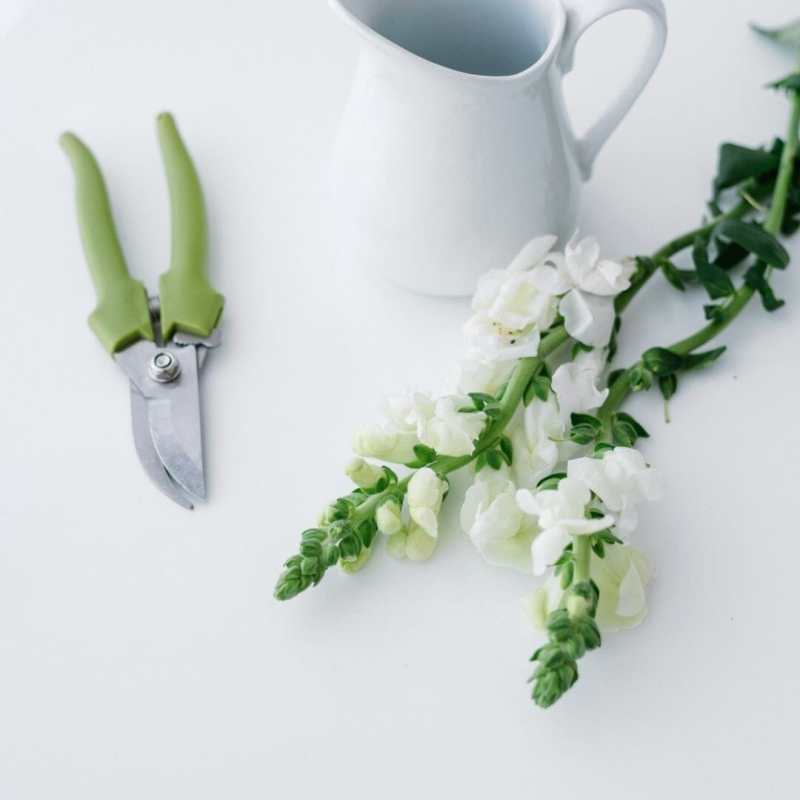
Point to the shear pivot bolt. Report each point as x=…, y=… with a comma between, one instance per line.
x=164, y=368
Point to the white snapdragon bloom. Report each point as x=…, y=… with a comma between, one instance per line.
x=362, y=473
x=494, y=522
x=511, y=307
x=592, y=274
x=576, y=383
x=621, y=578
x=425, y=494
x=385, y=443
x=534, y=432
x=449, y=431
x=561, y=514
x=414, y=544
x=480, y=374
x=395, y=440
x=416, y=418
x=621, y=479
x=588, y=286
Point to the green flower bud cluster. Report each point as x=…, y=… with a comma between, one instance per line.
x=571, y=632
x=344, y=533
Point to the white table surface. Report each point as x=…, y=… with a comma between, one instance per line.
x=141, y=652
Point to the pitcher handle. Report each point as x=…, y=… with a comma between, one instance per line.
x=581, y=15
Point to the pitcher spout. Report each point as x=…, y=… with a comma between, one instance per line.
x=503, y=41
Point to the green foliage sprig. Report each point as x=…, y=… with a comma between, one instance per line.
x=755, y=199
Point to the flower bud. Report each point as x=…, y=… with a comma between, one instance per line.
x=351, y=566
x=388, y=518
x=374, y=441
x=396, y=545
x=419, y=545
x=362, y=473
x=425, y=494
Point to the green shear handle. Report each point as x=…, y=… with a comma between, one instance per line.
x=122, y=316
x=188, y=302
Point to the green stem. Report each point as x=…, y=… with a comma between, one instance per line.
x=527, y=368
x=583, y=554
x=677, y=245
x=744, y=294
x=772, y=225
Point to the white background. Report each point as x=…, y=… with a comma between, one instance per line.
x=141, y=652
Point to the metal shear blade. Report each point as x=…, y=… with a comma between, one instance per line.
x=166, y=418
x=148, y=455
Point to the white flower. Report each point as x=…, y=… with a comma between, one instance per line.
x=621, y=479
x=362, y=473
x=561, y=514
x=480, y=374
x=388, y=517
x=589, y=273
x=449, y=431
x=416, y=418
x=425, y=494
x=575, y=383
x=495, y=523
x=413, y=544
x=532, y=432
x=511, y=308
x=621, y=577
x=589, y=285
x=394, y=441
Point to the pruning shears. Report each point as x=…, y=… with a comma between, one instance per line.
x=160, y=343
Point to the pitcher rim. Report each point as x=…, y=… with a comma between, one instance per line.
x=386, y=44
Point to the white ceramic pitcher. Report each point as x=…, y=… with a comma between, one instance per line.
x=455, y=147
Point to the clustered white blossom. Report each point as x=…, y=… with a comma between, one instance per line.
x=511, y=521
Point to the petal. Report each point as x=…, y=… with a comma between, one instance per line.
x=532, y=253
x=588, y=318
x=550, y=279
x=419, y=546
x=632, y=598
x=547, y=548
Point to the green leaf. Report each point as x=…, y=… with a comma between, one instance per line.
x=551, y=481
x=640, y=430
x=787, y=35
x=585, y=428
x=730, y=255
x=580, y=347
x=668, y=384
x=640, y=378
x=494, y=459
x=623, y=434
x=700, y=360
x=538, y=388
x=661, y=361
x=713, y=312
x=480, y=400
x=507, y=450
x=714, y=279
x=672, y=274
x=424, y=455
x=791, y=83
x=480, y=462
x=601, y=448
x=756, y=279
x=755, y=240
x=737, y=164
